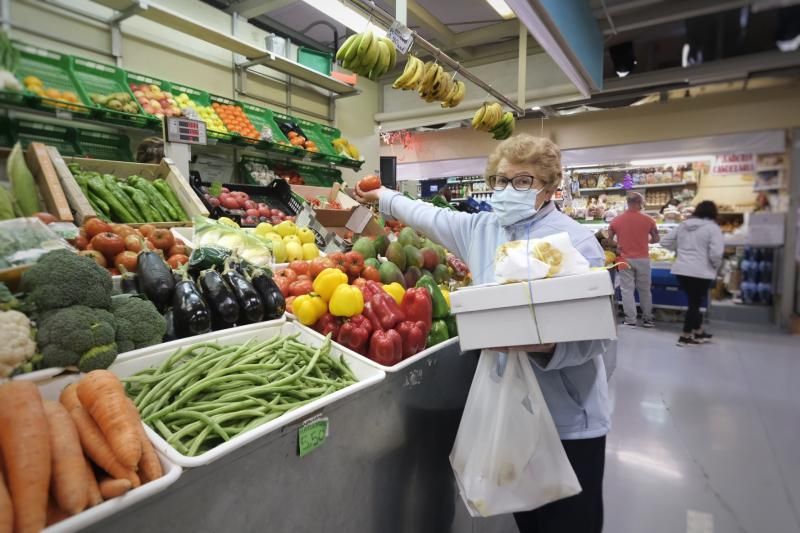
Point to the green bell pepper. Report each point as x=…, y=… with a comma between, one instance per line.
x=437, y=334
x=452, y=329
x=440, y=308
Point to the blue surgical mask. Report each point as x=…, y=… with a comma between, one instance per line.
x=511, y=205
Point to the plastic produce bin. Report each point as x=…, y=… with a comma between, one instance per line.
x=367, y=376
x=261, y=117
x=102, y=145
x=320, y=61
x=97, y=78
x=201, y=98
x=62, y=137
x=55, y=71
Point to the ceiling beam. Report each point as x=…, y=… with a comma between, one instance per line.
x=440, y=32
x=289, y=33
x=487, y=34
x=671, y=11
x=253, y=8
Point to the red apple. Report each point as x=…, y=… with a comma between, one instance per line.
x=225, y=190
x=250, y=204
x=275, y=212
x=213, y=202
x=252, y=212
x=263, y=211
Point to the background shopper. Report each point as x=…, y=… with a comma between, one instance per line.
x=634, y=231
x=699, y=244
x=525, y=171
x=150, y=150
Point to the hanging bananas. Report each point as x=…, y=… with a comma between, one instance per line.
x=491, y=118
x=367, y=55
x=411, y=76
x=456, y=94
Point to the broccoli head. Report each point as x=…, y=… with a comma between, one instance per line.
x=138, y=322
x=77, y=336
x=61, y=279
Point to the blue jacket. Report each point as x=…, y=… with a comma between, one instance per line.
x=573, y=380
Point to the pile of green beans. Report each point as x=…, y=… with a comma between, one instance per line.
x=208, y=393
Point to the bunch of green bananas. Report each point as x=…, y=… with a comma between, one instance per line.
x=367, y=55
x=491, y=118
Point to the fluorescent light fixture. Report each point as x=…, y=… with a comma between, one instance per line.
x=536, y=108
x=670, y=160
x=502, y=8
x=344, y=14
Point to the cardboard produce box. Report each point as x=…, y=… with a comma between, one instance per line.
x=563, y=309
x=358, y=220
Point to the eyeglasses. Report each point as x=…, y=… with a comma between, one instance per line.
x=521, y=182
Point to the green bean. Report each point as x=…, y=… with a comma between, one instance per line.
x=194, y=415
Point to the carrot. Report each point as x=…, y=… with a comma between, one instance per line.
x=6, y=512
x=103, y=396
x=95, y=446
x=92, y=489
x=69, y=397
x=111, y=488
x=55, y=513
x=25, y=442
x=149, y=464
x=68, y=483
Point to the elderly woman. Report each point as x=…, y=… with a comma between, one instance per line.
x=524, y=172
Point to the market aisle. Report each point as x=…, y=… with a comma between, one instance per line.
x=705, y=439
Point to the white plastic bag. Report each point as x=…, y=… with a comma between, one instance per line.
x=550, y=256
x=507, y=456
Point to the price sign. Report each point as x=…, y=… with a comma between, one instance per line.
x=401, y=36
x=311, y=435
x=186, y=131
x=62, y=114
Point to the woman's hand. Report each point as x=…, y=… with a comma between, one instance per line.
x=368, y=197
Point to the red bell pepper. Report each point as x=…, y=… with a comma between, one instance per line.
x=414, y=335
x=380, y=308
x=386, y=347
x=354, y=334
x=370, y=289
x=328, y=323
x=418, y=307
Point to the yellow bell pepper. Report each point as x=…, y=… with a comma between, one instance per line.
x=446, y=295
x=396, y=291
x=308, y=308
x=327, y=281
x=346, y=301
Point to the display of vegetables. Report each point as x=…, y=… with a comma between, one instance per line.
x=18, y=346
x=63, y=457
x=239, y=203
x=130, y=200
x=208, y=393
x=23, y=187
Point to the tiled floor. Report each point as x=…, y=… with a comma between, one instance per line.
x=706, y=439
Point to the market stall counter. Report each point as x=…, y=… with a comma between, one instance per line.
x=383, y=467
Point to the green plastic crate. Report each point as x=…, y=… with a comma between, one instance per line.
x=102, y=145
x=62, y=137
x=201, y=98
x=261, y=117
x=314, y=59
x=54, y=70
x=136, y=78
x=104, y=80
x=311, y=134
x=238, y=138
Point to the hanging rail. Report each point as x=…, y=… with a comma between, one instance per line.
x=386, y=19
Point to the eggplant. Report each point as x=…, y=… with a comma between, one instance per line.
x=220, y=298
x=169, y=334
x=206, y=257
x=155, y=279
x=250, y=305
x=190, y=312
x=271, y=297
x=128, y=282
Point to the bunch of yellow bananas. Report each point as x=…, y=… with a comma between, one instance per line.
x=367, y=55
x=491, y=118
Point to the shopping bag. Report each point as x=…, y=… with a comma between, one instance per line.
x=507, y=456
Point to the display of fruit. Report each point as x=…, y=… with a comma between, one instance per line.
x=296, y=138
x=120, y=101
x=240, y=204
x=456, y=94
x=207, y=114
x=490, y=117
x=346, y=149
x=155, y=101
x=36, y=86
x=367, y=55
x=235, y=120
x=432, y=82
x=411, y=76
x=291, y=175
x=289, y=241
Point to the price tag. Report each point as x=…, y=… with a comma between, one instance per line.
x=186, y=131
x=63, y=114
x=311, y=435
x=401, y=36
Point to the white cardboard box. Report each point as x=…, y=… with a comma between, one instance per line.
x=569, y=308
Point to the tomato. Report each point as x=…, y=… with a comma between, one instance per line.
x=354, y=263
x=108, y=244
x=80, y=242
x=337, y=258
x=135, y=243
x=46, y=218
x=126, y=260
x=304, y=277
x=250, y=204
x=287, y=274
x=319, y=264
x=175, y=261
x=289, y=302
x=299, y=288
x=146, y=229
x=95, y=226
x=114, y=271
x=177, y=249
x=229, y=202
x=124, y=231
x=369, y=183
x=283, y=285
x=96, y=256
x=241, y=197
x=301, y=267
x=162, y=238
x=371, y=273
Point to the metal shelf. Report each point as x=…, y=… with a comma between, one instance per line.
x=647, y=186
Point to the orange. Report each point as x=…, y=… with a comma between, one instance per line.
x=52, y=93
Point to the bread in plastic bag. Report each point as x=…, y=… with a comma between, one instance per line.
x=507, y=456
x=545, y=257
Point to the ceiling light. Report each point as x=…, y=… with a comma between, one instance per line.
x=345, y=15
x=623, y=58
x=535, y=108
x=502, y=8
x=787, y=36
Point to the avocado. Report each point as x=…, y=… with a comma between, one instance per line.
x=365, y=247
x=395, y=254
x=429, y=258
x=381, y=242
x=413, y=256
x=413, y=273
x=441, y=274
x=409, y=236
x=372, y=262
x=390, y=274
